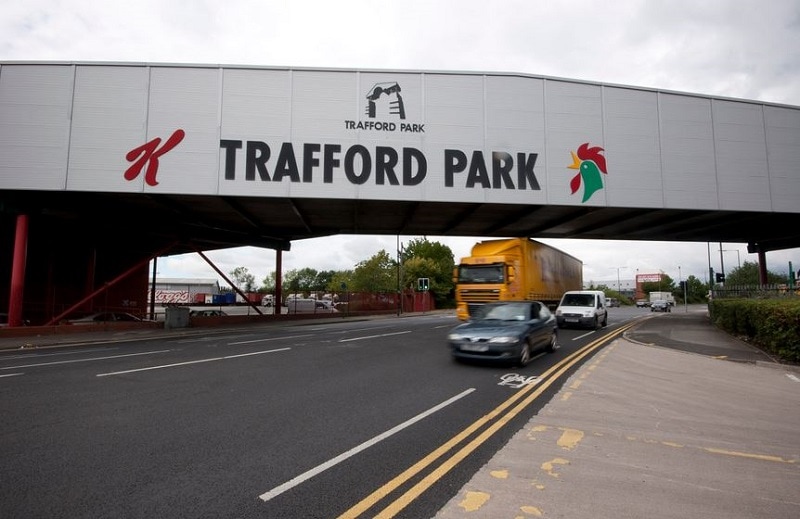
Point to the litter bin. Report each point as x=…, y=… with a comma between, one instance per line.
x=176, y=317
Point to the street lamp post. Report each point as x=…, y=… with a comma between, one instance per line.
x=738, y=258
x=618, y=281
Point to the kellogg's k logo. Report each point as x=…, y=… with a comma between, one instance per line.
x=148, y=153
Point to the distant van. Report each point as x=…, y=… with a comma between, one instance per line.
x=584, y=308
x=297, y=305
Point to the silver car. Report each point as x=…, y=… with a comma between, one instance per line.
x=660, y=306
x=510, y=331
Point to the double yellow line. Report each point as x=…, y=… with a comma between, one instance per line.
x=496, y=416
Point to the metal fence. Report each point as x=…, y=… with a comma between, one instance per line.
x=776, y=291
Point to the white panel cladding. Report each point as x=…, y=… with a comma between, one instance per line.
x=109, y=119
x=514, y=126
x=257, y=107
x=740, y=144
x=633, y=150
x=321, y=103
x=256, y=104
x=35, y=111
x=574, y=116
x=395, y=111
x=687, y=152
x=662, y=149
x=783, y=157
x=187, y=99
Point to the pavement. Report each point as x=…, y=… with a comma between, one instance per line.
x=674, y=419
x=666, y=422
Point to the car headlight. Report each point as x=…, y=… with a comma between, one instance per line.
x=455, y=337
x=504, y=339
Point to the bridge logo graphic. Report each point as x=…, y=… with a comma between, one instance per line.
x=384, y=99
x=591, y=166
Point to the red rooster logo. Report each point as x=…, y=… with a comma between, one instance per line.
x=589, y=162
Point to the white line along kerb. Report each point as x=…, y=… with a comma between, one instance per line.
x=266, y=496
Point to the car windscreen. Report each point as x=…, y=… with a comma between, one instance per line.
x=578, y=300
x=481, y=273
x=504, y=312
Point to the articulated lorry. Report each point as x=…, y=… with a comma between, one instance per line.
x=514, y=269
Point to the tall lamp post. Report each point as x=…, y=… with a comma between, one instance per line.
x=738, y=258
x=618, y=282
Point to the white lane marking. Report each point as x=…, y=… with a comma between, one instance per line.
x=187, y=363
x=85, y=360
x=584, y=335
x=271, y=339
x=266, y=496
x=57, y=354
x=212, y=338
x=373, y=336
x=793, y=377
x=11, y=375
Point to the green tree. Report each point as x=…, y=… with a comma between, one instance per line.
x=432, y=260
x=696, y=290
x=377, y=274
x=323, y=280
x=340, y=279
x=291, y=282
x=268, y=283
x=747, y=274
x=243, y=279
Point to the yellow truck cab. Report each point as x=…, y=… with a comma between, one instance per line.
x=514, y=269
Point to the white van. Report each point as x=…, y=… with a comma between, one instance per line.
x=585, y=308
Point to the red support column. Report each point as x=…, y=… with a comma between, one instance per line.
x=18, y=272
x=762, y=267
x=276, y=305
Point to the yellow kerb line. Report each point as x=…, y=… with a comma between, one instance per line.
x=559, y=369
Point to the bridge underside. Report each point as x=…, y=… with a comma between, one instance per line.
x=79, y=242
x=149, y=222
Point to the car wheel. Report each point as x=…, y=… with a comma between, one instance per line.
x=525, y=354
x=553, y=346
x=596, y=323
x=605, y=320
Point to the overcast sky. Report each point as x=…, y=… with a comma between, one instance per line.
x=735, y=48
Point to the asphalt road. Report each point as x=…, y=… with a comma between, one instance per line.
x=275, y=421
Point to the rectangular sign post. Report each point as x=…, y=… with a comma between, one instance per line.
x=423, y=285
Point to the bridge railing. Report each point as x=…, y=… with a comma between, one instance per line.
x=773, y=291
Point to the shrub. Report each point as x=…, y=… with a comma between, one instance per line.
x=773, y=325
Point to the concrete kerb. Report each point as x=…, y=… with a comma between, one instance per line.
x=773, y=363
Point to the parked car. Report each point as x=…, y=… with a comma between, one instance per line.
x=511, y=331
x=642, y=303
x=206, y=313
x=612, y=303
x=325, y=304
x=660, y=305
x=106, y=317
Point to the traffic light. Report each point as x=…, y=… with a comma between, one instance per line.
x=683, y=286
x=720, y=278
x=423, y=284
